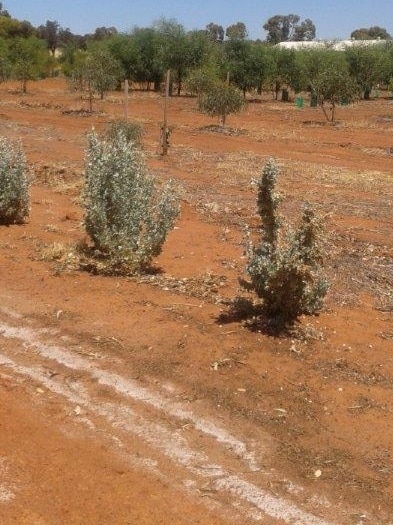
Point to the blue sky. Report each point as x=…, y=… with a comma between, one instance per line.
x=333, y=19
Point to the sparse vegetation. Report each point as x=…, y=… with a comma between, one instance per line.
x=320, y=387
x=132, y=131
x=127, y=216
x=285, y=270
x=14, y=183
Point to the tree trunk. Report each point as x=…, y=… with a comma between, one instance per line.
x=277, y=89
x=367, y=93
x=324, y=111
x=179, y=80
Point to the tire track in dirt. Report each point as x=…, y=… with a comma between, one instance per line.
x=6, y=488
x=194, y=450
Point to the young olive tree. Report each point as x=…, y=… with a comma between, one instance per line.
x=333, y=86
x=220, y=100
x=29, y=60
x=127, y=216
x=285, y=270
x=104, y=71
x=95, y=72
x=14, y=183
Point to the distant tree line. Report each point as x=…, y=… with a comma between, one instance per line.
x=97, y=62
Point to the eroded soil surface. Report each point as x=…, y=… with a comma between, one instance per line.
x=142, y=400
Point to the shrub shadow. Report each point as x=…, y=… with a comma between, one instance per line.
x=253, y=317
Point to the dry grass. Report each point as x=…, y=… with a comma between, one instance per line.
x=62, y=178
x=64, y=256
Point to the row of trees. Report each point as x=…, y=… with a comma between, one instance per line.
x=144, y=54
x=98, y=62
x=278, y=28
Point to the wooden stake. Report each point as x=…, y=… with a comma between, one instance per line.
x=126, y=100
x=164, y=129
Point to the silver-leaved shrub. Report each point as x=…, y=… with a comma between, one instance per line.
x=127, y=215
x=285, y=269
x=14, y=183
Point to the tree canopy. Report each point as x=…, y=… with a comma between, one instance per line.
x=282, y=28
x=220, y=100
x=236, y=31
x=215, y=32
x=371, y=33
x=50, y=33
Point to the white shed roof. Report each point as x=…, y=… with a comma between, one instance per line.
x=336, y=45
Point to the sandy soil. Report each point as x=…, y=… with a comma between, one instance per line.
x=142, y=400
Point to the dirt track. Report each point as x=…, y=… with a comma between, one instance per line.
x=139, y=402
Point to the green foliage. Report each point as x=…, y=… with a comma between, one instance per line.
x=102, y=33
x=221, y=100
x=285, y=72
x=261, y=67
x=367, y=66
x=215, y=32
x=333, y=86
x=68, y=58
x=131, y=131
x=236, y=31
x=29, y=59
x=5, y=69
x=4, y=12
x=304, y=31
x=285, y=271
x=281, y=28
x=146, y=67
x=50, y=33
x=309, y=63
x=267, y=204
x=14, y=184
x=5, y=64
x=237, y=62
x=145, y=53
x=127, y=216
x=173, y=49
x=371, y=33
x=181, y=51
x=95, y=72
x=200, y=81
x=11, y=28
x=138, y=55
x=102, y=72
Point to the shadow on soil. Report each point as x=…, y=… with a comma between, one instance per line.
x=253, y=317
